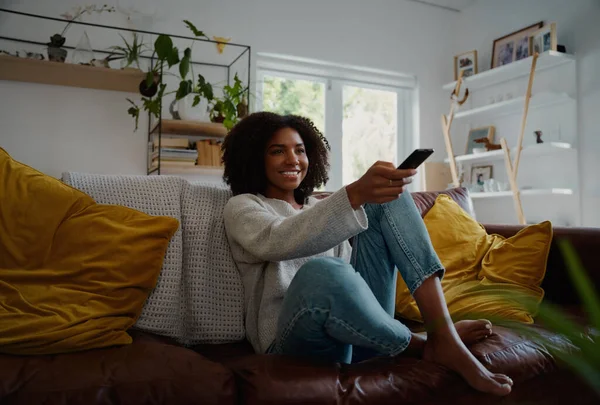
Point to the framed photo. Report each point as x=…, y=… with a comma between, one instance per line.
x=514, y=46
x=465, y=63
x=478, y=133
x=479, y=174
x=543, y=39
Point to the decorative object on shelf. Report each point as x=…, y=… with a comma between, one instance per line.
x=221, y=42
x=543, y=39
x=479, y=174
x=538, y=136
x=514, y=46
x=242, y=107
x=466, y=63
x=56, y=52
x=488, y=146
x=478, y=133
x=83, y=53
x=454, y=97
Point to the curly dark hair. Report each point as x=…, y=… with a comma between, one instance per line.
x=244, y=149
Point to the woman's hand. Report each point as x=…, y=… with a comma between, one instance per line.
x=380, y=184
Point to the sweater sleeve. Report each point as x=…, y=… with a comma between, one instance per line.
x=270, y=237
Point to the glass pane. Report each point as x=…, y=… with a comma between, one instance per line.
x=369, y=129
x=295, y=96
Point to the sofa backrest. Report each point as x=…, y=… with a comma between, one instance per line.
x=199, y=294
x=155, y=196
x=213, y=287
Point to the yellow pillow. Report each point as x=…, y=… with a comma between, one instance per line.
x=74, y=274
x=483, y=272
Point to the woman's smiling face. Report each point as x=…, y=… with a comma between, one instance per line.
x=286, y=164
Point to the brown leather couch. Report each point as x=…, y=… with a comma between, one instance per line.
x=154, y=370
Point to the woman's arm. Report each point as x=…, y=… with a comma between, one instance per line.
x=269, y=237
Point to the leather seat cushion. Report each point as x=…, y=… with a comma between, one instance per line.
x=149, y=371
x=272, y=379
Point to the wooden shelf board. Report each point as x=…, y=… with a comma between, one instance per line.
x=175, y=168
x=69, y=74
x=531, y=150
x=526, y=192
x=191, y=128
x=521, y=68
x=515, y=105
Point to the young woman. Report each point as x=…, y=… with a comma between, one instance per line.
x=307, y=292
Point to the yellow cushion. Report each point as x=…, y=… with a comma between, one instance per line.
x=482, y=270
x=74, y=274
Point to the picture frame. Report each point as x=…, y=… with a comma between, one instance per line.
x=477, y=133
x=479, y=174
x=466, y=63
x=514, y=46
x=543, y=39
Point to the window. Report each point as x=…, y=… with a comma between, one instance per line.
x=364, y=114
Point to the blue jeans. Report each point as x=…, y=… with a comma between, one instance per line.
x=345, y=312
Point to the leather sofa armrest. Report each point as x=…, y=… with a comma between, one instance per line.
x=557, y=283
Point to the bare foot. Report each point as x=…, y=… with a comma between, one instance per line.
x=445, y=348
x=473, y=331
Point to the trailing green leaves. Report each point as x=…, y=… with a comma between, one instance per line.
x=134, y=111
x=163, y=46
x=184, y=65
x=185, y=88
x=194, y=30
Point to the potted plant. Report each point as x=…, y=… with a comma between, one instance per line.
x=193, y=92
x=56, y=52
x=232, y=106
x=128, y=54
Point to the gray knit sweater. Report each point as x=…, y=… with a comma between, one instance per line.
x=270, y=240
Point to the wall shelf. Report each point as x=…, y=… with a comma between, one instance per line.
x=526, y=192
x=541, y=149
x=515, y=105
x=514, y=70
x=179, y=168
x=191, y=128
x=69, y=74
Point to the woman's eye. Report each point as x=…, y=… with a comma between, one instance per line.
x=276, y=151
x=301, y=151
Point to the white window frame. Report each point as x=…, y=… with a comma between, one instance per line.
x=335, y=76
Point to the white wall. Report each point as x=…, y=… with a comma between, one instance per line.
x=56, y=129
x=578, y=30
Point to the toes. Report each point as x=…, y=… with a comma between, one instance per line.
x=486, y=324
x=502, y=379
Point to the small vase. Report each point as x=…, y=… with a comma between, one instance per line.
x=189, y=113
x=83, y=53
x=57, y=54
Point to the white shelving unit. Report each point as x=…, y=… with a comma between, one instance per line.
x=512, y=71
x=526, y=192
x=548, y=176
x=542, y=149
x=515, y=105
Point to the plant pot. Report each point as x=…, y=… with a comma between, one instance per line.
x=149, y=91
x=189, y=113
x=56, y=54
x=219, y=119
